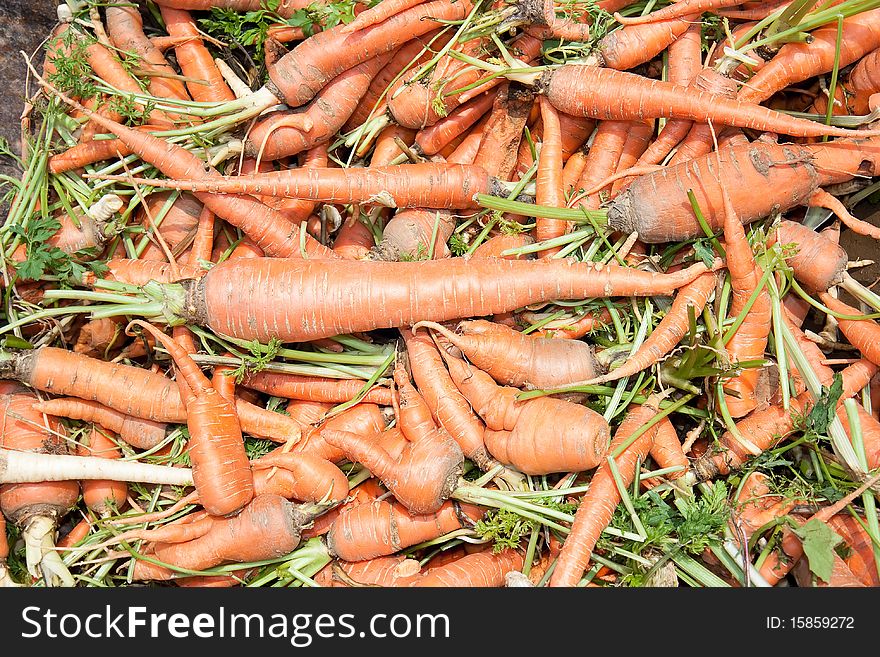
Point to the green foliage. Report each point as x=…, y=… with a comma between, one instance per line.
x=819, y=542
x=458, y=245
x=73, y=73
x=825, y=409
x=257, y=361
x=42, y=258
x=507, y=528
x=257, y=447
x=243, y=28
x=704, y=519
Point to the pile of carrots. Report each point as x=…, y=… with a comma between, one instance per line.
x=443, y=293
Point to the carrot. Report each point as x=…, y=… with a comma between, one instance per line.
x=194, y=59
x=598, y=503
x=517, y=433
x=312, y=479
x=92, y=151
x=307, y=413
x=290, y=132
x=667, y=451
x=751, y=11
x=382, y=528
x=604, y=93
x=35, y=507
x=382, y=571
x=382, y=12
x=863, y=82
x=680, y=9
x=139, y=433
x=668, y=333
x=504, y=285
x=203, y=240
x=416, y=235
x=602, y=159
x=140, y=272
x=819, y=263
x=220, y=467
x=481, y=569
x=501, y=135
x=425, y=185
x=498, y=244
x=61, y=372
x=549, y=186
x=79, y=532
x=313, y=388
x=700, y=139
x=796, y=62
x=362, y=419
x=177, y=227
x=434, y=138
x=567, y=329
x=304, y=71
x=636, y=143
x=285, y=9
x=764, y=428
x=657, y=207
x=750, y=339
x=864, y=335
x=573, y=28
x=421, y=478
x=520, y=360
x=103, y=497
x=448, y=406
x=126, y=31
x=354, y=239
x=628, y=47
x=268, y=527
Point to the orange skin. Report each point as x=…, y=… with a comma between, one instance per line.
x=501, y=136
x=862, y=334
x=667, y=452
x=381, y=571
x=386, y=148
x=517, y=432
x=819, y=263
x=796, y=62
x=855, y=94
x=221, y=472
x=307, y=413
x=177, y=226
x=266, y=528
x=605, y=93
x=379, y=13
x=598, y=504
x=636, y=142
x=354, y=239
x=679, y=10
x=194, y=58
x=305, y=70
x=421, y=478
x=699, y=140
x=71, y=538
x=517, y=359
x=384, y=527
x=290, y=132
x=549, y=189
x=750, y=339
x=498, y=244
x=274, y=233
x=434, y=138
x=103, y=497
x=448, y=406
x=23, y=431
x=602, y=159
x=364, y=419
x=203, y=242
x=311, y=479
x=310, y=388
x=141, y=272
x=413, y=413
x=267, y=292
x=98, y=336
x=630, y=46
x=410, y=233
x=765, y=428
x=481, y=569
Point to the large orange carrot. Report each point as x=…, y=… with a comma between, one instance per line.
x=434, y=138
x=195, y=61
x=517, y=359
x=502, y=133
x=668, y=333
x=416, y=234
x=268, y=527
x=604, y=93
x=62, y=372
x=267, y=293
x=517, y=432
x=667, y=451
x=137, y=432
x=35, y=507
x=796, y=62
x=382, y=571
x=630, y=46
x=304, y=71
x=221, y=472
x=385, y=527
x=750, y=339
x=312, y=479
x=421, y=478
x=480, y=569
x=819, y=263
x=598, y=504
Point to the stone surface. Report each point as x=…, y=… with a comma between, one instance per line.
x=24, y=24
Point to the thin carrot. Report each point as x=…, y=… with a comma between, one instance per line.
x=680, y=9
x=481, y=569
x=862, y=334
x=383, y=11
x=313, y=388
x=220, y=467
x=517, y=359
x=628, y=47
x=602, y=159
x=549, y=186
x=103, y=497
x=598, y=504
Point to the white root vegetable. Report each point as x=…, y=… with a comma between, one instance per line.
x=27, y=467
